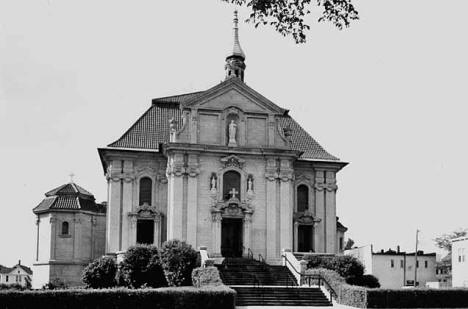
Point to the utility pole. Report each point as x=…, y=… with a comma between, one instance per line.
x=416, y=259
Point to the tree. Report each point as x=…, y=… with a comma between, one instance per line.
x=288, y=16
x=349, y=244
x=178, y=260
x=445, y=241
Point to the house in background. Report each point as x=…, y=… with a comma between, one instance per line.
x=396, y=269
x=18, y=274
x=459, y=262
x=444, y=271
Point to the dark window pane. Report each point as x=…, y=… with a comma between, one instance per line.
x=145, y=190
x=65, y=228
x=302, y=198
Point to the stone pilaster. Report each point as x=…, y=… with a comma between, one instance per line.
x=114, y=196
x=271, y=175
x=193, y=171
x=216, y=219
x=77, y=235
x=330, y=206
x=157, y=230
x=286, y=176
x=175, y=172
x=132, y=233
x=128, y=181
x=247, y=231
x=319, y=228
x=53, y=236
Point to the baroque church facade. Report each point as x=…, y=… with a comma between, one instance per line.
x=224, y=168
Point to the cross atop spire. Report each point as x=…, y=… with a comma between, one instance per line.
x=235, y=65
x=71, y=177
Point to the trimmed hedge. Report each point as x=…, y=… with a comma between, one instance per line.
x=208, y=276
x=178, y=259
x=417, y=298
x=162, y=298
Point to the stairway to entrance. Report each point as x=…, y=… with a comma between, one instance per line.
x=260, y=284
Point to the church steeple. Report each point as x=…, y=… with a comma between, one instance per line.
x=235, y=65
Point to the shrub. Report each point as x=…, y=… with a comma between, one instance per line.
x=332, y=277
x=100, y=273
x=178, y=259
x=347, y=266
x=317, y=261
x=208, y=276
x=55, y=284
x=368, y=281
x=122, y=298
x=141, y=266
x=14, y=286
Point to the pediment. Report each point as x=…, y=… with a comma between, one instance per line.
x=234, y=92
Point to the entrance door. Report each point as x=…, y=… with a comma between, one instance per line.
x=231, y=237
x=305, y=241
x=145, y=232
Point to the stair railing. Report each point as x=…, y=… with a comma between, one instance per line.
x=309, y=278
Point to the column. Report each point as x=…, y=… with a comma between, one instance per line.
x=175, y=200
x=286, y=204
x=319, y=228
x=216, y=233
x=113, y=208
x=192, y=199
x=247, y=227
x=330, y=207
x=272, y=251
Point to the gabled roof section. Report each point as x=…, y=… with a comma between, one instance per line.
x=152, y=128
x=237, y=84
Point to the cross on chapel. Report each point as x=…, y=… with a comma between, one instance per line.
x=71, y=177
x=233, y=192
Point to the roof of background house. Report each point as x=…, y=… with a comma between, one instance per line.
x=152, y=129
x=7, y=270
x=69, y=196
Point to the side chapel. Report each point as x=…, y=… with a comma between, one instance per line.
x=224, y=168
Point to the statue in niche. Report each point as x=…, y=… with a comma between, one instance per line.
x=213, y=183
x=249, y=185
x=232, y=133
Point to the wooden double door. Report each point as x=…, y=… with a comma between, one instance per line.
x=231, y=237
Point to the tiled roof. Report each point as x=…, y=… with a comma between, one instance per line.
x=152, y=129
x=69, y=196
x=7, y=270
x=69, y=188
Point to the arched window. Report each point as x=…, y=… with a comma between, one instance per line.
x=146, y=185
x=65, y=229
x=231, y=184
x=302, y=198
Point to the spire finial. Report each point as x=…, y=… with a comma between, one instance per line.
x=235, y=65
x=71, y=177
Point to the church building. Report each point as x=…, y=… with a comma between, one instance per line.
x=224, y=168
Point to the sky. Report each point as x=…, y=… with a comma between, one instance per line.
x=387, y=95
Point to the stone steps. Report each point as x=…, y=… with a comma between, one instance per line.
x=259, y=284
